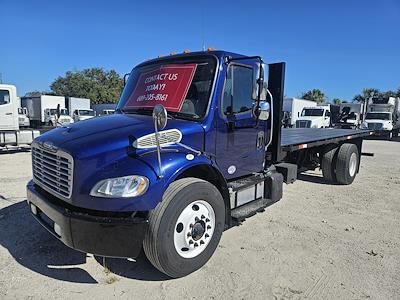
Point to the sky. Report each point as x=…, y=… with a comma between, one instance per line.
x=338, y=46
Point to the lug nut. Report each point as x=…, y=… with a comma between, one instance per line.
x=196, y=219
x=196, y=245
x=191, y=225
x=190, y=242
x=207, y=220
x=206, y=235
x=208, y=227
x=201, y=242
x=189, y=234
x=202, y=216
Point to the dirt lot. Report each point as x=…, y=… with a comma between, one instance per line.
x=320, y=242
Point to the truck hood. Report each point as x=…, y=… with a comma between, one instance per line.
x=108, y=133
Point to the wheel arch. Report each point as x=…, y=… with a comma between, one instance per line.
x=212, y=175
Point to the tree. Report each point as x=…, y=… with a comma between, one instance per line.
x=98, y=85
x=314, y=95
x=337, y=101
x=366, y=94
x=33, y=94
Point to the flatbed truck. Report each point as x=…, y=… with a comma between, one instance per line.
x=195, y=147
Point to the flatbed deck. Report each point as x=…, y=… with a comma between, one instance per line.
x=299, y=138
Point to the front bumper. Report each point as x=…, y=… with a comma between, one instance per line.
x=88, y=232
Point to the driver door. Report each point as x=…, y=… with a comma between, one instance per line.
x=240, y=143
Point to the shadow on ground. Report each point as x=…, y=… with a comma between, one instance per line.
x=36, y=249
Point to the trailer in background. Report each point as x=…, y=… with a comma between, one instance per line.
x=350, y=115
x=42, y=110
x=292, y=108
x=73, y=104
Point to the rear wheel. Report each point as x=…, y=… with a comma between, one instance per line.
x=347, y=163
x=185, y=228
x=328, y=163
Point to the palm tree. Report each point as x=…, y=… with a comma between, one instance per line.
x=314, y=95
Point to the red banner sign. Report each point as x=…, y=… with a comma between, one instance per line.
x=166, y=85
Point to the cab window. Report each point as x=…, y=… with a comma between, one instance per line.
x=237, y=90
x=4, y=97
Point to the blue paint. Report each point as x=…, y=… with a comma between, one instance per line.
x=102, y=148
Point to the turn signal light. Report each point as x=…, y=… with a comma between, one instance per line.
x=186, y=51
x=210, y=49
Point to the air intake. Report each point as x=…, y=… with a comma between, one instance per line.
x=166, y=137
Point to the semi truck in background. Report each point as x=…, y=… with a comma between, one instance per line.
x=349, y=115
x=195, y=147
x=292, y=108
x=383, y=116
x=10, y=132
x=42, y=110
x=315, y=117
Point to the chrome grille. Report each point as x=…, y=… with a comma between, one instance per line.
x=303, y=124
x=53, y=171
x=375, y=126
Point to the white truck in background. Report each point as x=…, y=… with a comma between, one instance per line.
x=10, y=132
x=292, y=108
x=383, y=116
x=315, y=117
x=42, y=110
x=82, y=114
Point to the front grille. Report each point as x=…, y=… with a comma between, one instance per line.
x=303, y=124
x=375, y=126
x=53, y=171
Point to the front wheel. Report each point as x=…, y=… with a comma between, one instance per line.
x=185, y=227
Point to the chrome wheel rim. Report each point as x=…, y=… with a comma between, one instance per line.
x=194, y=229
x=353, y=164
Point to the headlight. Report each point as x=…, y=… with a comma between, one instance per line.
x=121, y=187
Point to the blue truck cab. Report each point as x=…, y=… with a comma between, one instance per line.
x=192, y=148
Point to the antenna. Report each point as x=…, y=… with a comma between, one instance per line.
x=202, y=29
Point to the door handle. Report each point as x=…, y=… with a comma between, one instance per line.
x=8, y=114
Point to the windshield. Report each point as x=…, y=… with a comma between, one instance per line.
x=378, y=116
x=53, y=111
x=183, y=85
x=64, y=112
x=86, y=112
x=312, y=112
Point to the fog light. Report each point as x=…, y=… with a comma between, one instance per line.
x=33, y=209
x=57, y=229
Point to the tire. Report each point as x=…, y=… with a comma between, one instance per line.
x=347, y=163
x=328, y=163
x=165, y=233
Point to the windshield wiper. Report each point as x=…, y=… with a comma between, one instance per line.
x=140, y=110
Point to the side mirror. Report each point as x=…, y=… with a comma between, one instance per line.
x=262, y=111
x=126, y=76
x=256, y=81
x=58, y=111
x=159, y=117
